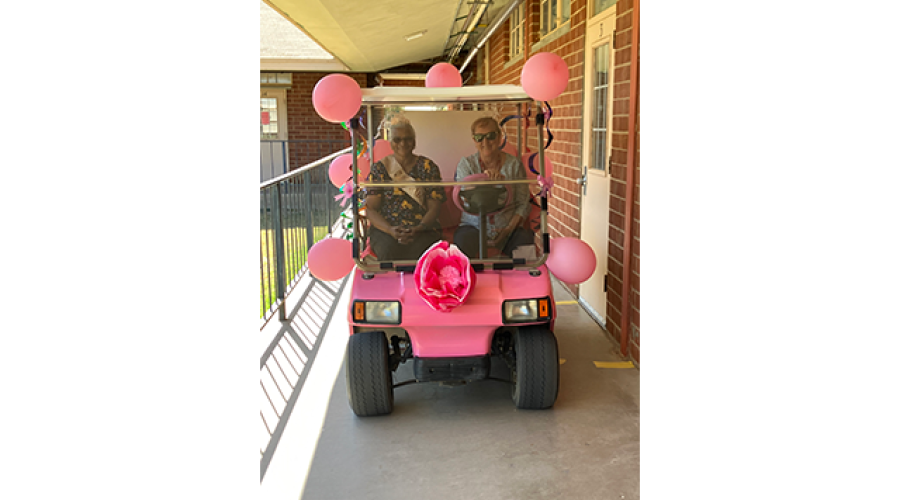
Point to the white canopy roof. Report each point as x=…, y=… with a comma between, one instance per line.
x=413, y=95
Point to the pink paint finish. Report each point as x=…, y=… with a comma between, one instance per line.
x=448, y=342
x=467, y=329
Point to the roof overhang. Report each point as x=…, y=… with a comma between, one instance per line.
x=376, y=36
x=291, y=64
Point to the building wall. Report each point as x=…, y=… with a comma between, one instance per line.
x=624, y=57
x=565, y=151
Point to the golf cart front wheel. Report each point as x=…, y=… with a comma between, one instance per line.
x=536, y=374
x=370, y=388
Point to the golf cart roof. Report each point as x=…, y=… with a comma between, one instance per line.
x=416, y=95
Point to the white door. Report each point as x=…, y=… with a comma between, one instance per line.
x=595, y=154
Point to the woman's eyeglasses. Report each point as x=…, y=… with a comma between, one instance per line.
x=489, y=136
x=408, y=140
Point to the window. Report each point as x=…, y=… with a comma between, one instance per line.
x=517, y=31
x=600, y=91
x=601, y=5
x=273, y=88
x=554, y=13
x=275, y=79
x=268, y=118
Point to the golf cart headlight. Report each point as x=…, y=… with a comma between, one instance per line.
x=520, y=310
x=385, y=313
x=527, y=310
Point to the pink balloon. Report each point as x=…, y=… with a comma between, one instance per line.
x=331, y=259
x=511, y=149
x=544, y=76
x=443, y=75
x=339, y=171
x=381, y=149
x=571, y=260
x=362, y=164
x=337, y=98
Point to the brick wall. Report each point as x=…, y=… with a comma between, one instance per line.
x=624, y=56
x=305, y=124
x=565, y=151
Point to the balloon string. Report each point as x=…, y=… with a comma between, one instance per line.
x=546, y=183
x=362, y=146
x=502, y=123
x=548, y=115
x=524, y=131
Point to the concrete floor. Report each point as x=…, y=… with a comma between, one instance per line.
x=470, y=442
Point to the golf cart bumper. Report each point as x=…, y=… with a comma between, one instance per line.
x=462, y=369
x=465, y=331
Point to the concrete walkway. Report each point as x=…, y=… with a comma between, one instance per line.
x=471, y=442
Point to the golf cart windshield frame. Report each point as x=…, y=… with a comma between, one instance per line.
x=474, y=95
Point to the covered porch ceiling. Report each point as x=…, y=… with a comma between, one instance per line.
x=392, y=34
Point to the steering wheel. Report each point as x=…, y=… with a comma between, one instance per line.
x=481, y=200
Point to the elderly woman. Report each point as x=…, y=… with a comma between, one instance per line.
x=403, y=220
x=504, y=229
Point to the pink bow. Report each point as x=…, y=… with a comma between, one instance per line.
x=346, y=193
x=546, y=183
x=443, y=276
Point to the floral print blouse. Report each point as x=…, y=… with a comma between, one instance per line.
x=399, y=208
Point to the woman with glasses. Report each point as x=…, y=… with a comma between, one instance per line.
x=504, y=229
x=403, y=219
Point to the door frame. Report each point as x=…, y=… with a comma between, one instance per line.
x=604, y=23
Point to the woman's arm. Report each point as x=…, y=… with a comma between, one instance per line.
x=373, y=213
x=520, y=193
x=464, y=169
x=434, y=210
x=434, y=197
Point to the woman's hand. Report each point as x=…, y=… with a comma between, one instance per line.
x=504, y=233
x=501, y=237
x=409, y=232
x=403, y=235
x=494, y=175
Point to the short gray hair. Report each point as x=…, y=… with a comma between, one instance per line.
x=486, y=121
x=401, y=125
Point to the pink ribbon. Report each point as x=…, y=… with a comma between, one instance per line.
x=346, y=194
x=545, y=183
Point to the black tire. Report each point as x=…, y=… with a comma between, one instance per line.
x=536, y=374
x=370, y=388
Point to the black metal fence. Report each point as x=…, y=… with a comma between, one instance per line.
x=280, y=157
x=296, y=210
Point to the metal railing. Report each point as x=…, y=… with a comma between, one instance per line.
x=277, y=157
x=296, y=210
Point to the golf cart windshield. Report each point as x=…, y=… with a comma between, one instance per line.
x=448, y=164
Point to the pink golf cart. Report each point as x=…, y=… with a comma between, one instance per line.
x=507, y=312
